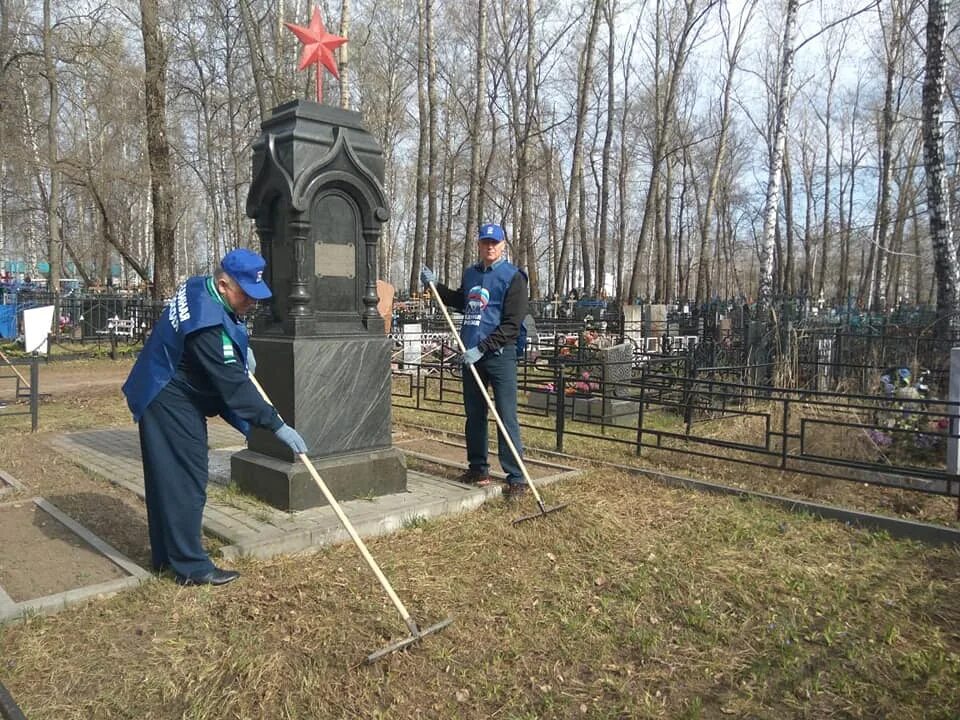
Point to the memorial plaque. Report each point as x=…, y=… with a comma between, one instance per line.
x=335, y=260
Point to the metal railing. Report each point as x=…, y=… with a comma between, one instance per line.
x=887, y=441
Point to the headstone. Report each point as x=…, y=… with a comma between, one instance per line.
x=385, y=293
x=655, y=321
x=616, y=368
x=533, y=337
x=322, y=355
x=633, y=324
x=412, y=343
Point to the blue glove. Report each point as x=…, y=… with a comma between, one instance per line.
x=291, y=438
x=427, y=276
x=251, y=361
x=472, y=355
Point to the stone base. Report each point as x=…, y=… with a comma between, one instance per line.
x=290, y=486
x=605, y=411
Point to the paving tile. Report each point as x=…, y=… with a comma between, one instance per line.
x=255, y=529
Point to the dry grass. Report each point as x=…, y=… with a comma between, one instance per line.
x=637, y=601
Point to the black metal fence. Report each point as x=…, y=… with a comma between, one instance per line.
x=900, y=441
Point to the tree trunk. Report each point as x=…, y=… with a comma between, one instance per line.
x=343, y=64
x=610, y=11
x=54, y=246
x=471, y=222
x=719, y=155
x=584, y=78
x=423, y=149
x=158, y=151
x=781, y=115
x=433, y=142
x=527, y=236
x=938, y=199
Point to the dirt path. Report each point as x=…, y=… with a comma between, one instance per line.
x=58, y=377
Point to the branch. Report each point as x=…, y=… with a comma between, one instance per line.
x=836, y=22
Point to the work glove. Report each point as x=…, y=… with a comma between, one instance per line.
x=471, y=355
x=291, y=438
x=427, y=276
x=251, y=361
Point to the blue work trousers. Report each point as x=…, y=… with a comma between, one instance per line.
x=173, y=442
x=497, y=370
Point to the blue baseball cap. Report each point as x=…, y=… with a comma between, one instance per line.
x=246, y=268
x=492, y=232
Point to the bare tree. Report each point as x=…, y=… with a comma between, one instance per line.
x=946, y=265
x=675, y=34
x=158, y=150
x=343, y=65
x=733, y=46
x=833, y=54
x=584, y=75
x=476, y=121
x=54, y=246
x=423, y=145
x=610, y=13
x=781, y=113
x=895, y=36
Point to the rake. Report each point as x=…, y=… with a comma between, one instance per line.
x=416, y=633
x=544, y=509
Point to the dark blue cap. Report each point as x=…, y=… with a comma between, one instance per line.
x=492, y=233
x=246, y=268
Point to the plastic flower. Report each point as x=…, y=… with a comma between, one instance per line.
x=880, y=438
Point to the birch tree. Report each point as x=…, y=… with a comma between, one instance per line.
x=677, y=30
x=775, y=171
x=938, y=197
x=734, y=38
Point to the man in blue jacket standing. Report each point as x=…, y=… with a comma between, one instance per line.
x=493, y=298
x=195, y=365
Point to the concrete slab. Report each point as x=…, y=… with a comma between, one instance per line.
x=250, y=528
x=9, y=484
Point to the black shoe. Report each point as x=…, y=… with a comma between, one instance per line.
x=516, y=491
x=475, y=477
x=213, y=577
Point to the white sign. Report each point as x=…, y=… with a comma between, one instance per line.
x=37, y=324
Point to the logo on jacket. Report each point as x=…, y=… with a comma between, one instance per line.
x=478, y=298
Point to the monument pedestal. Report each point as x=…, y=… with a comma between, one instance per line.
x=289, y=486
x=316, y=193
x=336, y=392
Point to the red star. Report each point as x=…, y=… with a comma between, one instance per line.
x=318, y=44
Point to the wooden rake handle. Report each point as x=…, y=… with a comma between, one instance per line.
x=486, y=396
x=348, y=526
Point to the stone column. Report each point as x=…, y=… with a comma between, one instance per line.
x=322, y=354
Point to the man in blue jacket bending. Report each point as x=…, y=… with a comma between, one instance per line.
x=493, y=298
x=195, y=365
